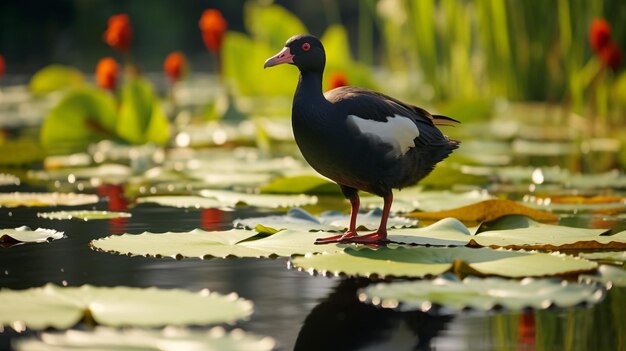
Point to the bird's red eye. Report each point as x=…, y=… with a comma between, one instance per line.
x=306, y=47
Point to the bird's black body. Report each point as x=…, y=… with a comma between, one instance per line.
x=361, y=139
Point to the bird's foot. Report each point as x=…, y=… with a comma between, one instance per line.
x=336, y=238
x=374, y=238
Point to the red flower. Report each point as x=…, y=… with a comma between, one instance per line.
x=2, y=66
x=599, y=34
x=213, y=26
x=119, y=33
x=611, y=55
x=107, y=72
x=337, y=79
x=174, y=65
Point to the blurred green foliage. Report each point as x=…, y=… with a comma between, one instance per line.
x=55, y=77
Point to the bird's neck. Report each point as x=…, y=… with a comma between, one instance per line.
x=309, y=91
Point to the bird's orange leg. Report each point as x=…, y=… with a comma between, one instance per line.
x=354, y=210
x=379, y=236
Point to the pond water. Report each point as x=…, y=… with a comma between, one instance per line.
x=299, y=311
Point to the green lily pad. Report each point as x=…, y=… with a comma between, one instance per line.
x=9, y=179
x=611, y=256
x=182, y=201
x=481, y=294
x=411, y=199
x=231, y=198
x=169, y=339
x=26, y=235
x=299, y=219
x=609, y=275
x=110, y=172
x=446, y=232
x=522, y=232
x=301, y=184
x=46, y=199
x=63, y=307
x=84, y=215
x=427, y=261
x=220, y=244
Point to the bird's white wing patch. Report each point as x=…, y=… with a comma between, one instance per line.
x=398, y=131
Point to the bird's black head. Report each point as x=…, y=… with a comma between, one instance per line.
x=305, y=51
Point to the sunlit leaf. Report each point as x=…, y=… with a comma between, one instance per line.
x=55, y=77
x=486, y=210
x=481, y=294
x=110, y=172
x=301, y=184
x=220, y=244
x=522, y=232
x=63, y=307
x=83, y=215
x=231, y=198
x=298, y=219
x=26, y=235
x=340, y=59
x=446, y=232
x=141, y=118
x=605, y=256
x=577, y=204
x=182, y=201
x=169, y=339
x=82, y=117
x=426, y=261
x=46, y=199
x=271, y=24
x=411, y=199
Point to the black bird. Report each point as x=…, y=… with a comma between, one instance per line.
x=361, y=139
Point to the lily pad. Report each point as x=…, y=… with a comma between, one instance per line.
x=486, y=210
x=578, y=204
x=299, y=219
x=301, y=184
x=220, y=244
x=411, y=199
x=26, y=235
x=231, y=198
x=169, y=339
x=84, y=215
x=446, y=232
x=8, y=179
x=182, y=201
x=46, y=199
x=610, y=275
x=428, y=261
x=522, y=232
x=63, y=307
x=610, y=256
x=481, y=294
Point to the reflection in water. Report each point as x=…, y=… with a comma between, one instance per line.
x=211, y=219
x=115, y=202
x=342, y=322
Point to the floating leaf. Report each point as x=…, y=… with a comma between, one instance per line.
x=63, y=307
x=298, y=219
x=26, y=235
x=522, y=232
x=182, y=201
x=577, y=204
x=84, y=215
x=46, y=199
x=9, y=179
x=55, y=77
x=231, y=198
x=613, y=276
x=610, y=256
x=169, y=339
x=221, y=244
x=425, y=261
x=302, y=184
x=411, y=199
x=446, y=232
x=83, y=116
x=486, y=210
x=481, y=294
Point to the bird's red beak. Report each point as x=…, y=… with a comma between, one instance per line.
x=284, y=56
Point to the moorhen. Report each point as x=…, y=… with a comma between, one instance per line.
x=361, y=139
